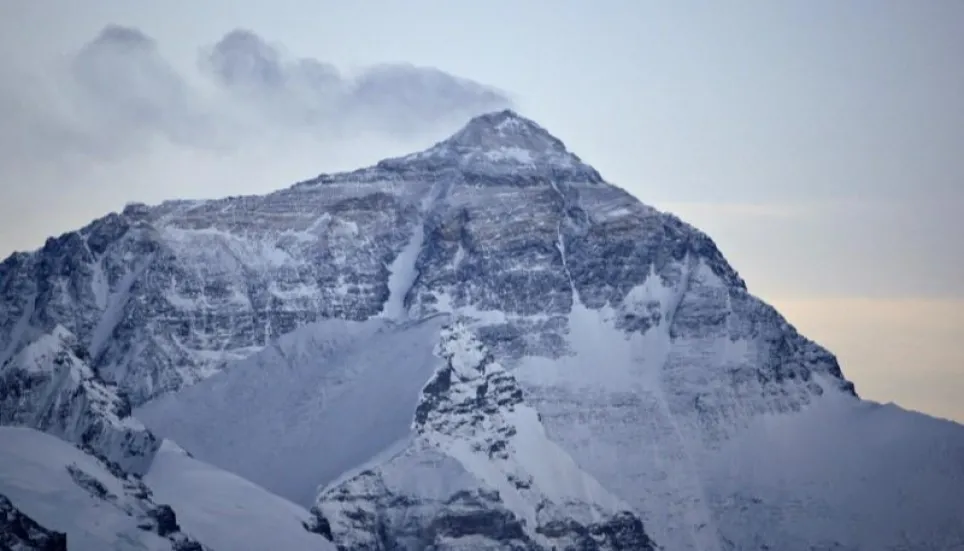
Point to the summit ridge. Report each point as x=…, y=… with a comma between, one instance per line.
x=500, y=143
x=505, y=128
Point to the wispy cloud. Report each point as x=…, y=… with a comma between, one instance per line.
x=116, y=121
x=126, y=92
x=118, y=92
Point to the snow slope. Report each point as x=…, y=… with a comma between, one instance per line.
x=857, y=475
x=225, y=511
x=314, y=404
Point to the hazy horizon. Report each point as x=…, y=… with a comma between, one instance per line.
x=819, y=144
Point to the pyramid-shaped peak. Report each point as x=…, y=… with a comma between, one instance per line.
x=500, y=143
x=505, y=129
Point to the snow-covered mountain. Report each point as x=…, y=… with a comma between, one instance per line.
x=483, y=345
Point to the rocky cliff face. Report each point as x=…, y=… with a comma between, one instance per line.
x=500, y=217
x=164, y=297
x=497, y=482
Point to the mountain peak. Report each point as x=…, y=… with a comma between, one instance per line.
x=505, y=129
x=500, y=143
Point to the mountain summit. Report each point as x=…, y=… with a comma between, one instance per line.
x=505, y=129
x=501, y=143
x=479, y=346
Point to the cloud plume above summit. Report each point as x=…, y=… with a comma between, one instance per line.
x=126, y=92
x=398, y=98
x=118, y=91
x=114, y=120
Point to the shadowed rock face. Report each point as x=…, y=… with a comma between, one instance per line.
x=18, y=531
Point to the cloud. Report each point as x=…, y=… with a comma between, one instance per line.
x=242, y=60
x=127, y=93
x=118, y=93
x=415, y=94
x=116, y=121
x=398, y=99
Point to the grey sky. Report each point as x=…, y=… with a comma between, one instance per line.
x=820, y=143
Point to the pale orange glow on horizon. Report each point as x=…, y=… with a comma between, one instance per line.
x=907, y=351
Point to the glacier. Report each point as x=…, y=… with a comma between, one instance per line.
x=483, y=345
